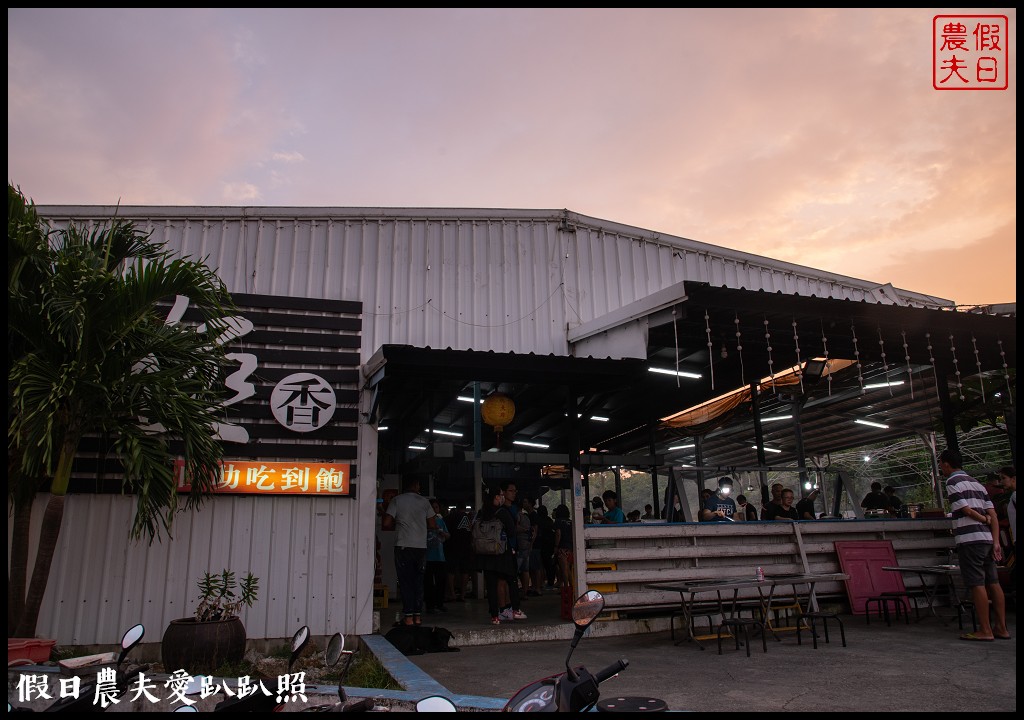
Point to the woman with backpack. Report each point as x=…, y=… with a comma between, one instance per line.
x=501, y=566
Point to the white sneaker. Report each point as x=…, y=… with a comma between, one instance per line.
x=505, y=614
x=518, y=615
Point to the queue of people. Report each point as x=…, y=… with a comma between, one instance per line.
x=435, y=562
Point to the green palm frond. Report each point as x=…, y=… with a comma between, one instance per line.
x=91, y=352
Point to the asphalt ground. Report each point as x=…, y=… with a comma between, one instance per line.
x=920, y=667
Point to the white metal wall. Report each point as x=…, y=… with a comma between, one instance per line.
x=299, y=548
x=500, y=280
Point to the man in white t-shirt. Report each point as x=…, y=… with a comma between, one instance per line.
x=411, y=515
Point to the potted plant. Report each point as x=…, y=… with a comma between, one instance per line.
x=215, y=636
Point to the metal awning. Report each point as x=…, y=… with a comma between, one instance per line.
x=620, y=403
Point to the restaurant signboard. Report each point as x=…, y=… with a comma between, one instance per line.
x=277, y=478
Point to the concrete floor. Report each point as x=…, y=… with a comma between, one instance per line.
x=920, y=667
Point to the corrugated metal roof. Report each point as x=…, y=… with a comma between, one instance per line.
x=466, y=279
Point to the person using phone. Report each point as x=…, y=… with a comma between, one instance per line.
x=720, y=507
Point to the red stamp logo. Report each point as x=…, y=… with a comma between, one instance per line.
x=969, y=52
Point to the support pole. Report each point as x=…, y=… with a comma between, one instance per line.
x=478, y=472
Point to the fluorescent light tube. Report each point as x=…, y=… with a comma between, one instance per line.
x=873, y=386
x=530, y=444
x=446, y=432
x=666, y=371
x=872, y=424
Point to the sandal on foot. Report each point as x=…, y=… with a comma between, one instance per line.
x=1003, y=637
x=975, y=638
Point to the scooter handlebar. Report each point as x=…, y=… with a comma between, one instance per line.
x=613, y=669
x=126, y=679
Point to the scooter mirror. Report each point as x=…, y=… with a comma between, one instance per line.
x=130, y=639
x=584, y=611
x=587, y=607
x=132, y=636
x=435, y=703
x=335, y=647
x=299, y=640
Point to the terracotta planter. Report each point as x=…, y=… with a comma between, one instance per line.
x=202, y=647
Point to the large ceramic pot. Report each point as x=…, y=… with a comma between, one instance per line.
x=202, y=647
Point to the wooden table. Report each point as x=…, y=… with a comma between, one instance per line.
x=689, y=591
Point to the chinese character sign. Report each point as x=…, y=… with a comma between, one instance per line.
x=303, y=402
x=969, y=52
x=277, y=478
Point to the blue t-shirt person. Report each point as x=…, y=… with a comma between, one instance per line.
x=435, y=541
x=615, y=515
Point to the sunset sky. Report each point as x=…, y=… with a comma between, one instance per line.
x=812, y=136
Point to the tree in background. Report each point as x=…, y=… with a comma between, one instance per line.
x=90, y=353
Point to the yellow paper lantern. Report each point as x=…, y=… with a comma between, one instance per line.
x=497, y=411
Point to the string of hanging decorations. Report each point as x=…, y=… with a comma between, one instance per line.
x=856, y=357
x=799, y=364
x=882, y=356
x=1006, y=371
x=931, y=359
x=977, y=362
x=739, y=349
x=885, y=365
x=711, y=353
x=956, y=368
x=906, y=356
x=824, y=345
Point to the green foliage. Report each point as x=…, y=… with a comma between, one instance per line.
x=91, y=353
x=63, y=652
x=218, y=599
x=282, y=652
x=368, y=672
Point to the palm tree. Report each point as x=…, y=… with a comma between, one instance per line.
x=90, y=353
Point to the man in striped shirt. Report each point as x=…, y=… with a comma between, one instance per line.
x=976, y=530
